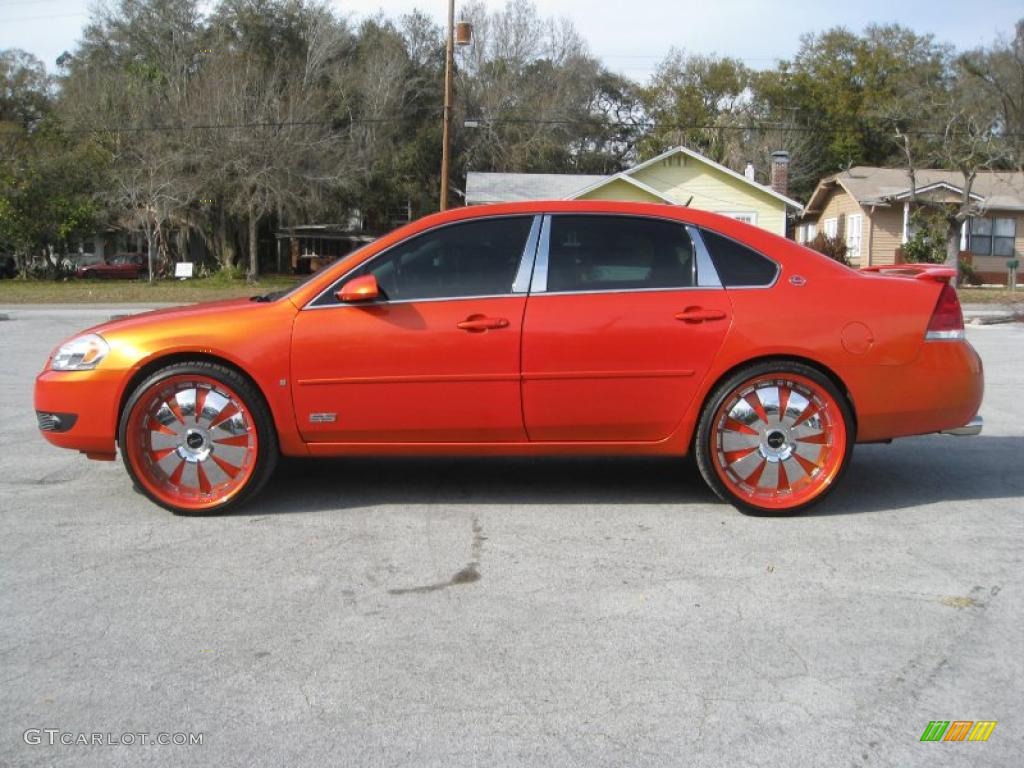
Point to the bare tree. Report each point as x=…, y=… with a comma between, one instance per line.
x=276, y=144
x=150, y=192
x=968, y=143
x=999, y=72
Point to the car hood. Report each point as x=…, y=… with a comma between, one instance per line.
x=171, y=315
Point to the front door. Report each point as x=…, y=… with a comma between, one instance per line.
x=620, y=328
x=436, y=359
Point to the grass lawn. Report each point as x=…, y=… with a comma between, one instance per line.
x=135, y=291
x=991, y=296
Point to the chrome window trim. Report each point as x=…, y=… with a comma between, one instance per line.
x=778, y=266
x=524, y=275
x=702, y=262
x=630, y=290
x=333, y=287
x=396, y=302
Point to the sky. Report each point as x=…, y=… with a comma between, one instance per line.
x=632, y=43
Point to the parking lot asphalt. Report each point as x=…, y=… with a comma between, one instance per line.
x=521, y=612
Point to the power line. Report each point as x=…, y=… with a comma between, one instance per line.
x=586, y=122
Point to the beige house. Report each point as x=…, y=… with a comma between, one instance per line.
x=870, y=209
x=679, y=176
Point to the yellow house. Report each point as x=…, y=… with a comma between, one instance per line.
x=679, y=176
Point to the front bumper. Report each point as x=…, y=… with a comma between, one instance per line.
x=86, y=404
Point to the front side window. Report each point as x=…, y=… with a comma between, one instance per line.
x=474, y=258
x=605, y=253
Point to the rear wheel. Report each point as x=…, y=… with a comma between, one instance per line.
x=197, y=438
x=775, y=438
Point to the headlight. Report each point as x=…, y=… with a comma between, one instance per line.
x=81, y=354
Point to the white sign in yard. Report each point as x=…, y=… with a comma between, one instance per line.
x=183, y=269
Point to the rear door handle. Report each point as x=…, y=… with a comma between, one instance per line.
x=477, y=323
x=699, y=315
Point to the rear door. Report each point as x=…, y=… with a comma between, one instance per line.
x=624, y=317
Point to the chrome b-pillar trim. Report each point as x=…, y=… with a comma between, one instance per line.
x=522, y=282
x=539, y=283
x=707, y=275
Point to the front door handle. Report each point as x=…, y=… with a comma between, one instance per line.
x=478, y=323
x=699, y=315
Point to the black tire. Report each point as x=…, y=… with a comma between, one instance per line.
x=709, y=458
x=267, y=453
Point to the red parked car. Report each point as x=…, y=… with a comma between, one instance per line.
x=531, y=329
x=123, y=266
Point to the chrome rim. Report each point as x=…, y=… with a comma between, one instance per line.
x=778, y=441
x=194, y=441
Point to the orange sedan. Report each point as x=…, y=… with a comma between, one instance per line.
x=531, y=328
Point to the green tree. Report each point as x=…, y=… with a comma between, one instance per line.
x=25, y=89
x=843, y=87
x=697, y=101
x=47, y=196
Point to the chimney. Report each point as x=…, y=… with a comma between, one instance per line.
x=780, y=172
x=748, y=172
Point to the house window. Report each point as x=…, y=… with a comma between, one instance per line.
x=812, y=232
x=853, y=234
x=831, y=227
x=992, y=237
x=747, y=217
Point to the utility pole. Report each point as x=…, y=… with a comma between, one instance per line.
x=446, y=131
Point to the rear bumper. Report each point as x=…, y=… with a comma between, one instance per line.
x=940, y=390
x=86, y=404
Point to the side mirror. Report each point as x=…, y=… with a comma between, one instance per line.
x=359, y=289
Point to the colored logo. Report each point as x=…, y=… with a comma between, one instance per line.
x=958, y=730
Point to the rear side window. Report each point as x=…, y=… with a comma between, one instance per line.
x=738, y=265
x=599, y=253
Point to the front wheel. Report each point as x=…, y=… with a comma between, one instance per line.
x=197, y=438
x=774, y=438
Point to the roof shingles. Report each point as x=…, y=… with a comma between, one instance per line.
x=1001, y=190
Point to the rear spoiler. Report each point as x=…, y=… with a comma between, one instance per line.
x=936, y=273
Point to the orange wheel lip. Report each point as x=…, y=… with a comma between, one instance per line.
x=141, y=456
x=830, y=461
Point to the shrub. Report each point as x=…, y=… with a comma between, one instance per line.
x=927, y=245
x=968, y=274
x=832, y=247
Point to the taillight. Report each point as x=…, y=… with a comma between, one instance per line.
x=947, y=320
